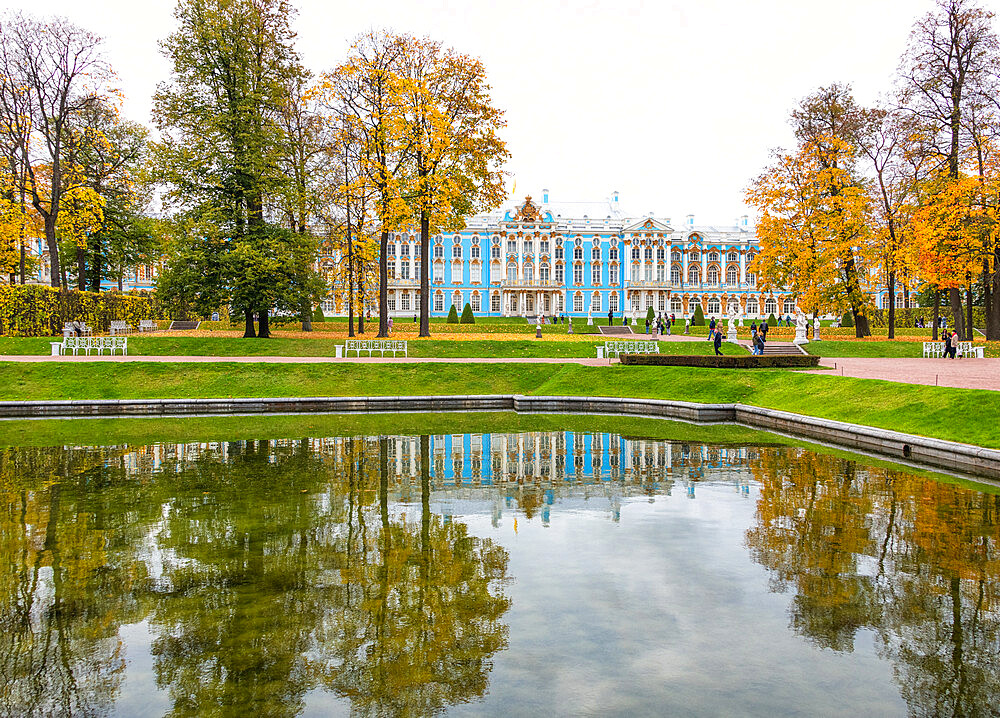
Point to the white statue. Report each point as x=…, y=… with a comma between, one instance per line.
x=590, y=319
x=801, y=328
x=816, y=329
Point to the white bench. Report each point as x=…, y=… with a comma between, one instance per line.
x=147, y=325
x=74, y=329
x=118, y=327
x=965, y=349
x=631, y=347
x=98, y=344
x=373, y=345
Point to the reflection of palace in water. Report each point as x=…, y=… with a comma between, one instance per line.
x=500, y=467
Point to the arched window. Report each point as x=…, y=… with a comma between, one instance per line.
x=635, y=252
x=595, y=254
x=595, y=302
x=456, y=299
x=676, y=305
x=529, y=273
x=613, y=253
x=732, y=275
x=438, y=302
x=613, y=302
x=675, y=256
x=789, y=306
x=648, y=254
x=713, y=276
x=495, y=302
x=692, y=303
x=770, y=306
x=578, y=252
x=732, y=257
x=578, y=302
x=751, y=279
x=752, y=307
x=714, y=306
x=694, y=275
x=675, y=274
x=543, y=272
x=694, y=256
x=456, y=272
x=636, y=269
x=577, y=274
x=476, y=306
x=511, y=273
x=713, y=256
x=438, y=251
x=660, y=254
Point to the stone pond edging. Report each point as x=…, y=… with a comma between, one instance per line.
x=936, y=453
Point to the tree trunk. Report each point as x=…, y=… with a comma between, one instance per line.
x=95, y=267
x=383, y=281
x=892, y=304
x=994, y=309
x=425, y=266
x=968, y=311
x=937, y=312
x=24, y=260
x=862, y=328
x=53, y=247
x=989, y=298
x=955, y=299
x=307, y=324
x=249, y=332
x=263, y=325
x=81, y=268
x=121, y=279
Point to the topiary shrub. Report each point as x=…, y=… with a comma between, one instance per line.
x=318, y=314
x=650, y=315
x=453, y=315
x=847, y=320
x=699, y=317
x=771, y=321
x=467, y=316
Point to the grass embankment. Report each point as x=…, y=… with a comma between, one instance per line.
x=964, y=415
x=582, y=347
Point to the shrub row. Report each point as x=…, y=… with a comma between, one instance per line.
x=34, y=310
x=720, y=362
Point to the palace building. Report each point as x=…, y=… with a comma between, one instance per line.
x=580, y=258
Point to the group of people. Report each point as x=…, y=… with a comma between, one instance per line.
x=950, y=340
x=922, y=323
x=660, y=323
x=758, y=335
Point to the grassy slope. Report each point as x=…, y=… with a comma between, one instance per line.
x=315, y=347
x=931, y=411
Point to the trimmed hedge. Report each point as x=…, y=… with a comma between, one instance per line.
x=467, y=316
x=35, y=310
x=720, y=362
x=453, y=315
x=698, y=320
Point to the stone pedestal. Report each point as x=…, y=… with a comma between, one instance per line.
x=731, y=334
x=800, y=335
x=569, y=323
x=590, y=320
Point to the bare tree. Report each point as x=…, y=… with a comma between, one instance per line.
x=51, y=70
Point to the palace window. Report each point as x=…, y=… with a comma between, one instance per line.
x=543, y=246
x=613, y=254
x=456, y=251
x=559, y=251
x=511, y=273
x=693, y=302
x=770, y=306
x=635, y=301
x=477, y=272
x=649, y=272
x=456, y=300
x=559, y=274
x=529, y=246
x=511, y=246
x=543, y=272
x=404, y=270
x=595, y=275
x=635, y=272
x=595, y=302
x=649, y=301
x=752, y=307
x=732, y=257
x=648, y=254
x=732, y=275
x=635, y=253
x=694, y=275
x=676, y=305
x=474, y=252
x=495, y=303
x=495, y=250
x=713, y=276
x=577, y=274
x=662, y=305
x=714, y=306
x=675, y=275
x=713, y=256
x=694, y=256
x=438, y=251
x=456, y=273
x=578, y=252
x=404, y=302
x=661, y=273
x=439, y=302
x=404, y=250
x=529, y=273
x=613, y=302
x=751, y=279
x=595, y=254
x=660, y=254
x=391, y=301
x=675, y=256
x=613, y=275
x=577, y=302
x=438, y=272
x=789, y=306
x=475, y=302
x=392, y=249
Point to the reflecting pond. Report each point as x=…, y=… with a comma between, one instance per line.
x=558, y=572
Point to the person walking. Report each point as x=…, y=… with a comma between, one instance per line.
x=953, y=344
x=711, y=329
x=647, y=325
x=763, y=331
x=390, y=325
x=668, y=321
x=718, y=344
x=753, y=327
x=611, y=316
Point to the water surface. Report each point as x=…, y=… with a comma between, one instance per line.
x=568, y=573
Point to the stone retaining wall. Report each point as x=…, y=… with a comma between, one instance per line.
x=936, y=453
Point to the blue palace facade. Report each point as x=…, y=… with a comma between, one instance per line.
x=580, y=258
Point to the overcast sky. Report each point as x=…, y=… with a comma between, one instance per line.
x=676, y=105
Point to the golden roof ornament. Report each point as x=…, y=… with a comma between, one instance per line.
x=528, y=212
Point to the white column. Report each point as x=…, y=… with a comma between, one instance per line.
x=743, y=267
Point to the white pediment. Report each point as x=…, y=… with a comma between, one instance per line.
x=650, y=224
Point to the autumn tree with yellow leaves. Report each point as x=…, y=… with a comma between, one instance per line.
x=814, y=232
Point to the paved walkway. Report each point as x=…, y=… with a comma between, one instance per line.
x=964, y=373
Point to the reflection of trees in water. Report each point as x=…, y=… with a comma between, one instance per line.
x=67, y=580
x=912, y=559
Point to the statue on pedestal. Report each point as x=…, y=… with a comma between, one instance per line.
x=801, y=328
x=538, y=326
x=731, y=334
x=590, y=319
x=816, y=329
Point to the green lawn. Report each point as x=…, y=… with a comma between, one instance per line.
x=316, y=346
x=865, y=348
x=953, y=414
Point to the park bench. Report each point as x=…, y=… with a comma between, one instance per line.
x=89, y=344
x=119, y=327
x=965, y=349
x=631, y=347
x=372, y=345
x=77, y=329
x=147, y=325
